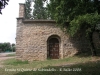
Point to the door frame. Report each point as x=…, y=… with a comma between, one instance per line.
x=58, y=38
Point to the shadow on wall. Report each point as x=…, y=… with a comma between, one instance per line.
x=81, y=43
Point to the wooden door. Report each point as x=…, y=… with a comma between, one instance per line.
x=54, y=48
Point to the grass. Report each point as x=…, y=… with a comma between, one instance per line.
x=51, y=62
x=15, y=62
x=86, y=65
x=9, y=55
x=90, y=68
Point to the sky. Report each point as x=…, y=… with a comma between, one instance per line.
x=8, y=21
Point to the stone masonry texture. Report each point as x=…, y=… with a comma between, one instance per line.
x=32, y=39
x=32, y=36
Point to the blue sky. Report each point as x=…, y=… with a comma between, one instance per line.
x=8, y=21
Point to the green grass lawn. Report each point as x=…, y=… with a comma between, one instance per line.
x=9, y=55
x=68, y=66
x=90, y=68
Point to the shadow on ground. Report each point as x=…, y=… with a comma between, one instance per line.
x=90, y=68
x=87, y=53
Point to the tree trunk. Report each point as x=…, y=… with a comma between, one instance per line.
x=93, y=49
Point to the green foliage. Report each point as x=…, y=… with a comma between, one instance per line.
x=3, y=3
x=13, y=47
x=52, y=8
x=88, y=21
x=69, y=9
x=7, y=47
x=28, y=9
x=76, y=12
x=39, y=11
x=82, y=16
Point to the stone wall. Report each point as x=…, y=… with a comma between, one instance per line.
x=32, y=39
x=21, y=10
x=32, y=36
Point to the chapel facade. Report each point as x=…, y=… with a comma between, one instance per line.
x=42, y=39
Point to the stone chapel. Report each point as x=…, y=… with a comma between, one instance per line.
x=42, y=39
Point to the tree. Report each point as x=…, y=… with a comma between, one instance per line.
x=13, y=47
x=52, y=8
x=3, y=3
x=81, y=14
x=39, y=11
x=1, y=47
x=7, y=47
x=28, y=9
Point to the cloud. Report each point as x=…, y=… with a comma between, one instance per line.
x=8, y=21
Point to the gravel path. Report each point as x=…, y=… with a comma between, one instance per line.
x=5, y=54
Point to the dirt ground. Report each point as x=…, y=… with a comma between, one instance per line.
x=3, y=56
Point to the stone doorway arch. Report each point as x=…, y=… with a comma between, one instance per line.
x=53, y=48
